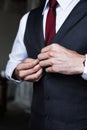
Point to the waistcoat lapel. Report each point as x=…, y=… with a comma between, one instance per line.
x=34, y=38
x=75, y=16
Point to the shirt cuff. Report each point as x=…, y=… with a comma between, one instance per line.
x=84, y=75
x=9, y=71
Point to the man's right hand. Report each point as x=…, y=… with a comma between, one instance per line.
x=28, y=70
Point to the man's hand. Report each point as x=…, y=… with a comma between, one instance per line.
x=29, y=70
x=57, y=59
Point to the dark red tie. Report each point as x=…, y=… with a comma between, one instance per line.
x=50, y=21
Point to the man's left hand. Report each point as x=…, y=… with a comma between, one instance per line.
x=58, y=59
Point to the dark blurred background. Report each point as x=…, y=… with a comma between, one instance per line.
x=15, y=100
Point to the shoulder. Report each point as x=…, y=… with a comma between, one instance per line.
x=24, y=18
x=36, y=10
x=33, y=11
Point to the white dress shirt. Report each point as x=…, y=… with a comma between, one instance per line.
x=19, y=52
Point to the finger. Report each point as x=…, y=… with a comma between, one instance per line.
x=49, y=69
x=52, y=69
x=34, y=77
x=58, y=69
x=24, y=73
x=43, y=56
x=53, y=46
x=47, y=55
x=31, y=60
x=45, y=49
x=45, y=63
x=26, y=65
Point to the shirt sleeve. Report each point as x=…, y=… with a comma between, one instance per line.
x=16, y=55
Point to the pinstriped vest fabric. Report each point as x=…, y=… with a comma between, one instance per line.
x=59, y=101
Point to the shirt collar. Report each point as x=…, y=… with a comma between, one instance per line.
x=62, y=3
x=65, y=3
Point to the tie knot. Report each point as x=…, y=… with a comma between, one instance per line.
x=53, y=3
